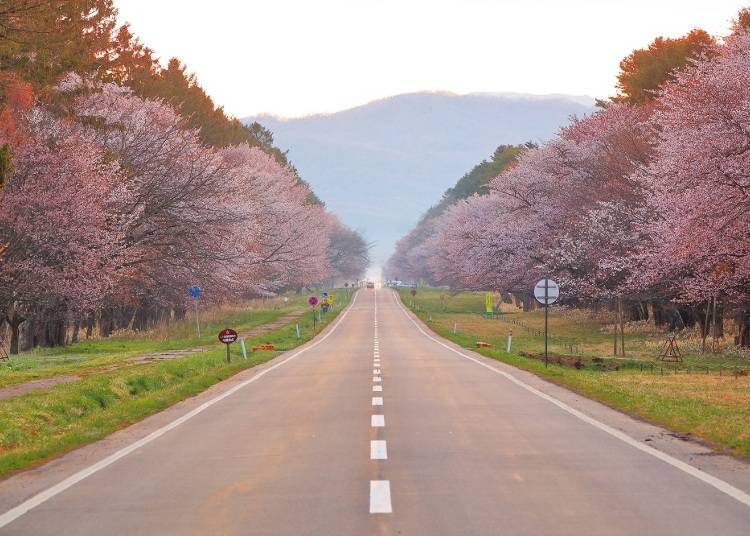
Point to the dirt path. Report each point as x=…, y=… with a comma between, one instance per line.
x=34, y=385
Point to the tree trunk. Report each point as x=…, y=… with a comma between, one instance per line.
x=14, y=321
x=90, y=320
x=615, y=332
x=76, y=329
x=705, y=326
x=106, y=322
x=622, y=326
x=743, y=324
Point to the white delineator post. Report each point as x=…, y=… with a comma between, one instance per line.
x=510, y=339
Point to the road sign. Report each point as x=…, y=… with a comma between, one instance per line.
x=195, y=292
x=546, y=292
x=488, y=308
x=227, y=336
x=325, y=307
x=413, y=292
x=324, y=295
x=313, y=301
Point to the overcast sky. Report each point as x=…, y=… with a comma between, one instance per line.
x=296, y=57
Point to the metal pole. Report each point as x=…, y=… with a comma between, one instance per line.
x=197, y=321
x=229, y=359
x=546, y=307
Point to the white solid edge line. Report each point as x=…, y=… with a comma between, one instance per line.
x=378, y=449
x=43, y=496
x=711, y=480
x=380, y=497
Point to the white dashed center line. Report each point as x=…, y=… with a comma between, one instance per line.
x=378, y=450
x=377, y=388
x=377, y=421
x=380, y=497
x=377, y=400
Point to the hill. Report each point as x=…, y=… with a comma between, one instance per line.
x=380, y=166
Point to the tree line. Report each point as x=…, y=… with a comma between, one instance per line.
x=642, y=206
x=122, y=185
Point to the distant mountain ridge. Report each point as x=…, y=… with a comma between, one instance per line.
x=381, y=165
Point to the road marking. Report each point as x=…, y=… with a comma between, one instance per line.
x=721, y=485
x=377, y=379
x=380, y=497
x=43, y=496
x=377, y=421
x=378, y=450
x=377, y=388
x=377, y=400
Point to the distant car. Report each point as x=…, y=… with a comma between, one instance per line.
x=370, y=284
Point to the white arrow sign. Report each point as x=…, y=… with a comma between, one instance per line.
x=546, y=292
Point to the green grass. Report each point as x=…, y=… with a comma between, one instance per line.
x=91, y=356
x=43, y=424
x=713, y=407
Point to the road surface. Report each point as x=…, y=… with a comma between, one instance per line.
x=376, y=427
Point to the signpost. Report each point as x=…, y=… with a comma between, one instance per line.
x=546, y=292
x=195, y=293
x=313, y=301
x=413, y=299
x=228, y=336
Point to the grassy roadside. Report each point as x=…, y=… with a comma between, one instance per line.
x=707, y=406
x=42, y=424
x=93, y=356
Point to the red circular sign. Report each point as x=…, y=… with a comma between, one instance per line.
x=227, y=336
x=313, y=301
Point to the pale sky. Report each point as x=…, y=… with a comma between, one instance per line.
x=297, y=57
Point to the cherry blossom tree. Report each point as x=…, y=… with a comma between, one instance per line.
x=699, y=182
x=56, y=226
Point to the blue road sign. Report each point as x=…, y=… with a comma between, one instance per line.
x=195, y=292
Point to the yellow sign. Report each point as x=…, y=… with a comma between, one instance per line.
x=488, y=303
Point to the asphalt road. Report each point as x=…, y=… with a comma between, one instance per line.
x=377, y=427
